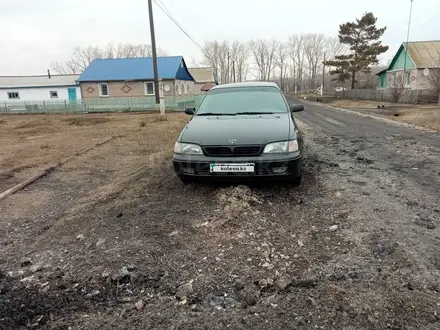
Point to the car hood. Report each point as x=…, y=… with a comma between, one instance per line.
x=213, y=130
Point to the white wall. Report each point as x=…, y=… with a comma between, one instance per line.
x=184, y=84
x=38, y=94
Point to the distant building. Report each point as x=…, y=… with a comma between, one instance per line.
x=204, y=77
x=39, y=88
x=134, y=77
x=418, y=59
x=207, y=87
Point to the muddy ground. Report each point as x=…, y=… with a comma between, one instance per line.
x=113, y=240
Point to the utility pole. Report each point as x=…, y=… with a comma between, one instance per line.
x=406, y=46
x=153, y=50
x=323, y=75
x=233, y=70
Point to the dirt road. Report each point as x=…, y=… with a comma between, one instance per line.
x=114, y=241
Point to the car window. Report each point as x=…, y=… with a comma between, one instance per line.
x=243, y=99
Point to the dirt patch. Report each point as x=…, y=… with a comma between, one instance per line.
x=85, y=121
x=427, y=116
x=39, y=123
x=35, y=141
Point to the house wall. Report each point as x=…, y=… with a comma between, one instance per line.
x=398, y=62
x=382, y=80
x=38, y=93
x=422, y=81
x=187, y=88
x=137, y=88
x=417, y=79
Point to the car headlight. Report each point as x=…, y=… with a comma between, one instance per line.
x=187, y=148
x=281, y=147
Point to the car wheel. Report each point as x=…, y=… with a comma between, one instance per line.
x=296, y=181
x=185, y=180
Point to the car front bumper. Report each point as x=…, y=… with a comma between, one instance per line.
x=266, y=166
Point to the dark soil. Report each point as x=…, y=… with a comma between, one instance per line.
x=115, y=241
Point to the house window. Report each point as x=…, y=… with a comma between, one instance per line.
x=13, y=95
x=53, y=94
x=103, y=89
x=149, y=88
x=179, y=89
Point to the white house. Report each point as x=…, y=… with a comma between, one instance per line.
x=204, y=78
x=39, y=88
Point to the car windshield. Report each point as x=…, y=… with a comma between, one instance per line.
x=242, y=100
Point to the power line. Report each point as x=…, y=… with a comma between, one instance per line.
x=428, y=17
x=162, y=6
x=419, y=16
x=173, y=5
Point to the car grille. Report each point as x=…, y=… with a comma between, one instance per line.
x=236, y=151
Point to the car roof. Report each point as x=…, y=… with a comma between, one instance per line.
x=248, y=84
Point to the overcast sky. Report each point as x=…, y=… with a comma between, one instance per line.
x=35, y=33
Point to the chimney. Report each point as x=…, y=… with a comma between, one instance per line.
x=48, y=73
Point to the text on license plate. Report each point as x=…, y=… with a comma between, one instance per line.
x=233, y=168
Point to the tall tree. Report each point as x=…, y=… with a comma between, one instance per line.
x=362, y=36
x=281, y=62
x=264, y=52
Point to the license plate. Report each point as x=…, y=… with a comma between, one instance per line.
x=233, y=168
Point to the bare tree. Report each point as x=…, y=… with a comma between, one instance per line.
x=239, y=54
x=314, y=49
x=241, y=61
x=264, y=55
x=210, y=52
x=296, y=45
x=224, y=60
x=82, y=57
x=281, y=61
x=397, y=86
x=230, y=61
x=434, y=78
x=217, y=54
x=333, y=47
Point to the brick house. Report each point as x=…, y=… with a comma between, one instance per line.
x=134, y=77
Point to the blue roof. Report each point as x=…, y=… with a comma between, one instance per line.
x=169, y=67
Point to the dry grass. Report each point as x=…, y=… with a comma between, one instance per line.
x=158, y=118
x=35, y=141
x=427, y=116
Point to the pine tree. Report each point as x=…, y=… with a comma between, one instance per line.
x=363, y=38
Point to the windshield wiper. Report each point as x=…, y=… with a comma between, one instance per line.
x=215, y=114
x=254, y=113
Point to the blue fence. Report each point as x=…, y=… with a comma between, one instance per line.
x=133, y=104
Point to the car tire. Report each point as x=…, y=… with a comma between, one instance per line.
x=296, y=181
x=185, y=180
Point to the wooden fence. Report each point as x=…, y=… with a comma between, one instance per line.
x=390, y=95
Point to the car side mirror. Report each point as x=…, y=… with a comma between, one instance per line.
x=296, y=107
x=190, y=111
